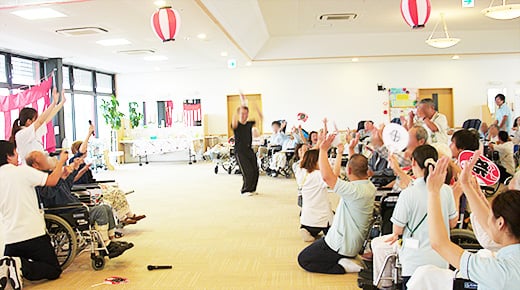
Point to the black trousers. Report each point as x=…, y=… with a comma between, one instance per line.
x=39, y=260
x=315, y=231
x=249, y=167
x=320, y=258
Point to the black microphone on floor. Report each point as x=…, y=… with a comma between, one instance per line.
x=153, y=267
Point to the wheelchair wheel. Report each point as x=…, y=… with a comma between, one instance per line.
x=63, y=239
x=465, y=239
x=98, y=263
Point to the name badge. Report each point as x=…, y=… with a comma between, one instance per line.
x=411, y=243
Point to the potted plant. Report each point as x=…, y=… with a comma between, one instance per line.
x=112, y=118
x=135, y=117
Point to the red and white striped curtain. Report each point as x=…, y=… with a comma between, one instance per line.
x=36, y=97
x=192, y=113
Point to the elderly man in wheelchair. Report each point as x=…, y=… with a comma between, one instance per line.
x=69, y=220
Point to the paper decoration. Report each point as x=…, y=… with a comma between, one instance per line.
x=302, y=117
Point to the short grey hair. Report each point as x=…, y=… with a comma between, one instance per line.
x=428, y=101
x=420, y=133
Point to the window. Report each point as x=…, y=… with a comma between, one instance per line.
x=4, y=92
x=25, y=71
x=69, y=122
x=104, y=83
x=66, y=78
x=3, y=74
x=83, y=112
x=83, y=80
x=103, y=128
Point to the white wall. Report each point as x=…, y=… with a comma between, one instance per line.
x=345, y=92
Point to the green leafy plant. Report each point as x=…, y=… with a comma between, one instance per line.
x=111, y=113
x=135, y=117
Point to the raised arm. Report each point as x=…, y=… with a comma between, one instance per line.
x=41, y=120
x=55, y=176
x=234, y=120
x=84, y=145
x=439, y=238
x=479, y=205
x=352, y=145
x=339, y=156
x=326, y=171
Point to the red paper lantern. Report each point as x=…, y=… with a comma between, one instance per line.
x=166, y=23
x=416, y=12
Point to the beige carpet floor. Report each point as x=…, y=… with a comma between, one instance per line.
x=214, y=238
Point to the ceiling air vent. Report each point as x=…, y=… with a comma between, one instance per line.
x=338, y=17
x=81, y=31
x=137, y=52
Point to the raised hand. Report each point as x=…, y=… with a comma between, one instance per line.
x=437, y=176
x=327, y=142
x=341, y=148
x=354, y=142
x=55, y=96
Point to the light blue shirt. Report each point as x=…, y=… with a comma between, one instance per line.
x=277, y=139
x=493, y=273
x=410, y=210
x=502, y=111
x=352, y=219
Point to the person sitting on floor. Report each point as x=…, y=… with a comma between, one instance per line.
x=28, y=250
x=316, y=215
x=101, y=216
x=112, y=195
x=332, y=254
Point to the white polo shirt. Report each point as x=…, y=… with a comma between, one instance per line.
x=352, y=218
x=29, y=140
x=19, y=211
x=316, y=209
x=441, y=136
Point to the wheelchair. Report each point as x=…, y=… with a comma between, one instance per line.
x=70, y=230
x=381, y=225
x=71, y=233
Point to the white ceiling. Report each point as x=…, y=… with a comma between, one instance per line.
x=258, y=30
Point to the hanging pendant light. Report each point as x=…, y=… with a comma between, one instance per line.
x=502, y=12
x=443, y=42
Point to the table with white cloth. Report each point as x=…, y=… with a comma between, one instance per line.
x=142, y=148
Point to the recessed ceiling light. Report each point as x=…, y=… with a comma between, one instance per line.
x=455, y=57
x=113, y=42
x=160, y=3
x=38, y=13
x=201, y=36
x=224, y=53
x=249, y=63
x=355, y=59
x=155, y=58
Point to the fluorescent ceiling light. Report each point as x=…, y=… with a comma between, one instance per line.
x=38, y=13
x=155, y=58
x=502, y=12
x=113, y=42
x=355, y=59
x=455, y=57
x=201, y=36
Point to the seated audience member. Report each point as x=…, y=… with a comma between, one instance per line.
x=278, y=136
x=366, y=132
x=112, y=195
x=463, y=140
x=409, y=221
x=434, y=122
x=500, y=219
x=29, y=129
x=316, y=215
x=515, y=131
x=505, y=149
x=492, y=133
x=483, y=131
x=333, y=253
x=28, y=251
x=101, y=216
x=279, y=159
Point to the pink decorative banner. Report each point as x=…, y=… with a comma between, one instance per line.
x=169, y=113
x=29, y=98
